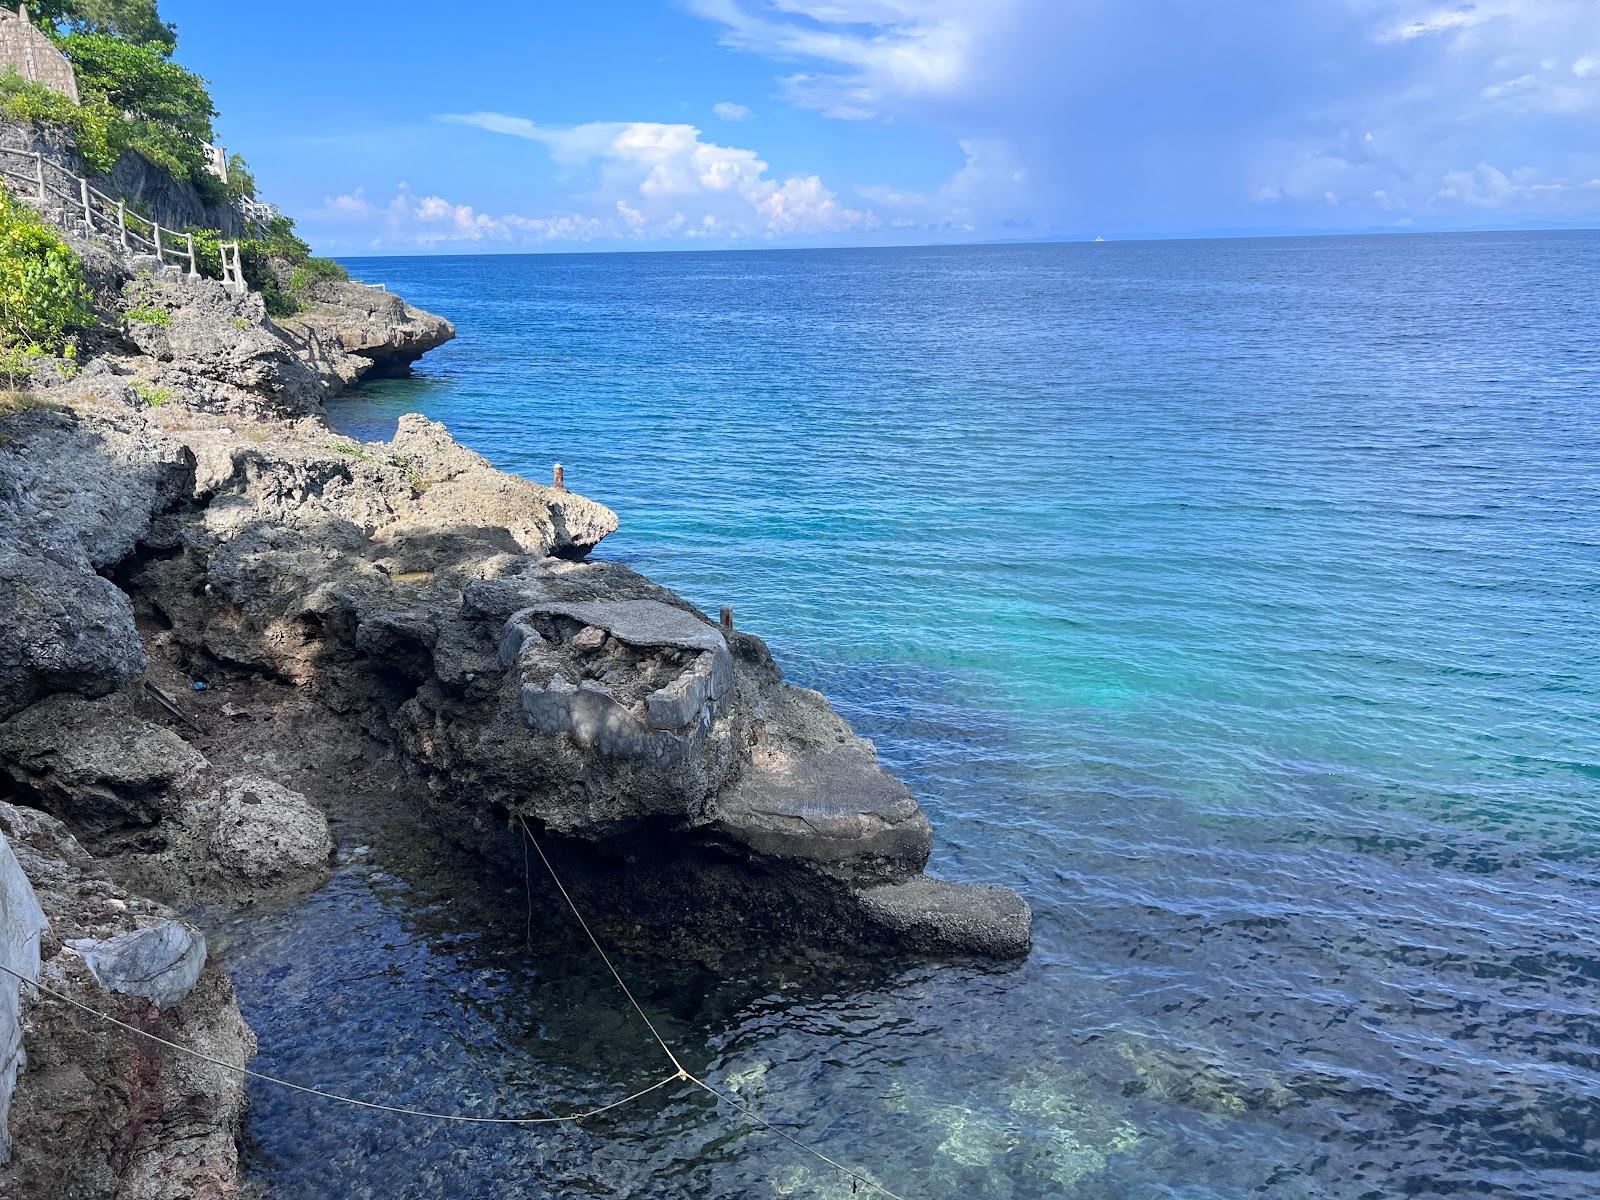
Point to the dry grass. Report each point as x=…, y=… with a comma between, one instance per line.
x=15, y=400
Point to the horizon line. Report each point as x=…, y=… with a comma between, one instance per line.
x=1044, y=240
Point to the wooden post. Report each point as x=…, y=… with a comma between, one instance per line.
x=122, y=222
x=726, y=618
x=155, y=232
x=38, y=173
x=561, y=478
x=192, y=271
x=88, y=213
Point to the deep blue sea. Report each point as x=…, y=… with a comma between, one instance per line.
x=1238, y=602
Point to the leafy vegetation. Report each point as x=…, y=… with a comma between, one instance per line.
x=91, y=123
x=279, y=264
x=153, y=396
x=313, y=271
x=135, y=21
x=149, y=314
x=43, y=296
x=134, y=96
x=241, y=179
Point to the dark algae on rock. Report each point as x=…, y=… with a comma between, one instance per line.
x=179, y=523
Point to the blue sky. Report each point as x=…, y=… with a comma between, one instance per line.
x=486, y=125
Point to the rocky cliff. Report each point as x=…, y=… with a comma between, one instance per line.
x=180, y=509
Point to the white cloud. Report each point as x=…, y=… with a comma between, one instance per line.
x=871, y=51
x=727, y=110
x=412, y=220
x=635, y=180
x=990, y=190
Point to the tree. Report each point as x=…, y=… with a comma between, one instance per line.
x=137, y=21
x=141, y=82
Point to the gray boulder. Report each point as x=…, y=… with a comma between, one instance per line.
x=160, y=962
x=265, y=831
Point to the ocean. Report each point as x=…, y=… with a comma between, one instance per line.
x=1234, y=601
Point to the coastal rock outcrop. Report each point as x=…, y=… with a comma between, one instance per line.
x=351, y=331
x=178, y=517
x=448, y=606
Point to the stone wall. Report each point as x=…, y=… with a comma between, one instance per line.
x=21, y=923
x=25, y=49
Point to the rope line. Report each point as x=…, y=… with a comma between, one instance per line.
x=855, y=1176
x=600, y=950
x=680, y=1074
x=319, y=1092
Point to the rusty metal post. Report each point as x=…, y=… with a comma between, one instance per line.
x=561, y=478
x=726, y=618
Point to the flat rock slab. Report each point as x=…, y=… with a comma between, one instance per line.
x=832, y=807
x=940, y=917
x=646, y=623
x=160, y=962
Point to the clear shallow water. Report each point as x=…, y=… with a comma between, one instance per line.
x=1235, y=601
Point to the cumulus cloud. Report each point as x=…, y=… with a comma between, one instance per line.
x=408, y=219
x=637, y=180
x=727, y=110
x=667, y=180
x=990, y=191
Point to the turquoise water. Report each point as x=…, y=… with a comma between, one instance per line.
x=1234, y=601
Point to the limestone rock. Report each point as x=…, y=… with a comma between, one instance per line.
x=62, y=629
x=355, y=331
x=97, y=763
x=938, y=917
x=265, y=831
x=98, y=1112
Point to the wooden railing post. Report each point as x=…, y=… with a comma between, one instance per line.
x=38, y=171
x=88, y=213
x=155, y=233
x=122, y=222
x=192, y=271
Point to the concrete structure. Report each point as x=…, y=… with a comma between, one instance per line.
x=25, y=49
x=217, y=161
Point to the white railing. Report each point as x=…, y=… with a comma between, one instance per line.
x=257, y=212
x=43, y=179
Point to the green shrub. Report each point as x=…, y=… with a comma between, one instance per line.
x=43, y=296
x=95, y=126
x=314, y=271
x=149, y=314
x=153, y=396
